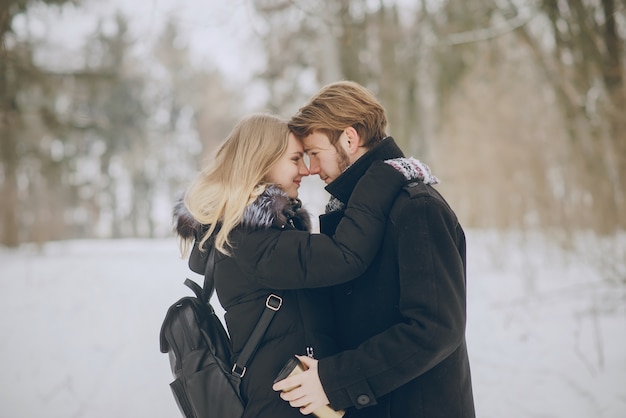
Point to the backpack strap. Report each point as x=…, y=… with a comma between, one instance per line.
x=204, y=293
x=272, y=304
x=209, y=280
x=196, y=288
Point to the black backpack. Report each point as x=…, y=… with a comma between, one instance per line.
x=206, y=381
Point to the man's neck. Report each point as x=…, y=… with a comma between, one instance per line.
x=361, y=151
x=342, y=186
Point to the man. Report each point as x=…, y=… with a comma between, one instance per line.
x=401, y=325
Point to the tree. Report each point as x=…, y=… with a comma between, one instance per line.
x=18, y=76
x=435, y=65
x=90, y=150
x=585, y=66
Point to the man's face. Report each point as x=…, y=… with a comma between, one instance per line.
x=326, y=161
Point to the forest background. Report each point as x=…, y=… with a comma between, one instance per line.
x=518, y=106
x=108, y=109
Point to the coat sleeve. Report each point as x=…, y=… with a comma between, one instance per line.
x=431, y=253
x=291, y=259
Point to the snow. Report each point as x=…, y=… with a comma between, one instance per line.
x=81, y=319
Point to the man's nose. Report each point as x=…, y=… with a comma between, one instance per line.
x=314, y=167
x=303, y=170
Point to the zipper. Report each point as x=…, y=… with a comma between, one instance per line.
x=307, y=340
x=178, y=350
x=187, y=330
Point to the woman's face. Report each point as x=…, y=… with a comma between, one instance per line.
x=288, y=171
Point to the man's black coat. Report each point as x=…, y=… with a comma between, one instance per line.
x=401, y=325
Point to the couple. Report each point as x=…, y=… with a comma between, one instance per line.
x=374, y=306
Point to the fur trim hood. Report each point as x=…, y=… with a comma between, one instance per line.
x=273, y=208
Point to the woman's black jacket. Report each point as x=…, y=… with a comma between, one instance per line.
x=305, y=320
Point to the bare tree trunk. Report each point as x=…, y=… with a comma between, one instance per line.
x=351, y=43
x=614, y=81
x=8, y=144
x=592, y=106
x=330, y=69
x=10, y=221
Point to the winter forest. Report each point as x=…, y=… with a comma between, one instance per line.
x=518, y=104
x=108, y=109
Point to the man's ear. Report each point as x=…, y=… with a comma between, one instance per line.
x=353, y=140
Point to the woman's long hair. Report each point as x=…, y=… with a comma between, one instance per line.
x=236, y=177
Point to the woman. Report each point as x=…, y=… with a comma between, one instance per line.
x=251, y=187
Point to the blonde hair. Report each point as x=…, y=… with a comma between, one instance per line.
x=236, y=177
x=338, y=106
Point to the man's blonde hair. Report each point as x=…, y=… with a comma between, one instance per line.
x=236, y=177
x=338, y=106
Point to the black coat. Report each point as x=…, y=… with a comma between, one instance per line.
x=401, y=325
x=305, y=318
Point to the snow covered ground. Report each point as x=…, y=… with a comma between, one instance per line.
x=80, y=323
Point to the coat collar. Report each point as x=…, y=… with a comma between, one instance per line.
x=273, y=208
x=342, y=186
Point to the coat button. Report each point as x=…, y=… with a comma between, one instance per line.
x=363, y=399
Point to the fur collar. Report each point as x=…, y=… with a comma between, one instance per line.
x=273, y=208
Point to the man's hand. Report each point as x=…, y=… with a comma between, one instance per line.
x=307, y=393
